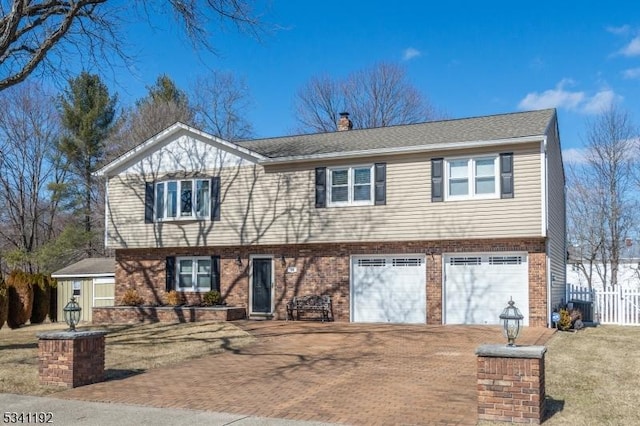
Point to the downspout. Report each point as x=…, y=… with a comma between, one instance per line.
x=106, y=210
x=545, y=225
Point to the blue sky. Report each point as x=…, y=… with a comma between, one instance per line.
x=469, y=58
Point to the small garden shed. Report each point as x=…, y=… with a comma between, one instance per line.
x=91, y=281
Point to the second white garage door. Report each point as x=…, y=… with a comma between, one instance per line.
x=479, y=286
x=388, y=289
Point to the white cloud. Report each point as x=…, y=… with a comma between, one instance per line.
x=621, y=30
x=631, y=73
x=410, y=53
x=574, y=156
x=600, y=102
x=566, y=99
x=632, y=49
x=553, y=98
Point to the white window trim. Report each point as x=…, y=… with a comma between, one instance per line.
x=194, y=194
x=350, y=186
x=471, y=177
x=73, y=288
x=194, y=275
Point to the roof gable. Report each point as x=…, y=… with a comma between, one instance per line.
x=179, y=148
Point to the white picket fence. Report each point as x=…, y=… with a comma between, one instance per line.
x=620, y=306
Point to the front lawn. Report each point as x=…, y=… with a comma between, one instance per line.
x=130, y=349
x=593, y=376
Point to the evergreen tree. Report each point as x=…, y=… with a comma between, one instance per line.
x=88, y=115
x=165, y=91
x=164, y=104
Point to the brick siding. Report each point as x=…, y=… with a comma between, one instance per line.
x=511, y=389
x=73, y=361
x=320, y=269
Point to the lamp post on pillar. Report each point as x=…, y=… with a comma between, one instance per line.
x=72, y=314
x=511, y=322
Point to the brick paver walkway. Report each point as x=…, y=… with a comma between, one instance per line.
x=331, y=372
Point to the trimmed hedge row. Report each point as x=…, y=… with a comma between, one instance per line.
x=29, y=298
x=4, y=302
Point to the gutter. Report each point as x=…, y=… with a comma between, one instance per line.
x=399, y=150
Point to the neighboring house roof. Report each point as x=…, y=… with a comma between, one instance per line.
x=90, y=267
x=428, y=135
x=629, y=253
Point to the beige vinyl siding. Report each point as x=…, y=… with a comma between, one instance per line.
x=278, y=206
x=85, y=300
x=556, y=218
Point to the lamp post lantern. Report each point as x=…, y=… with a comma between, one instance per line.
x=72, y=314
x=511, y=322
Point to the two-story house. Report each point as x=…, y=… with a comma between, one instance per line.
x=440, y=222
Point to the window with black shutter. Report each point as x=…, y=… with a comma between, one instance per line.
x=170, y=271
x=380, y=184
x=506, y=175
x=148, y=202
x=321, y=187
x=437, y=180
x=215, y=198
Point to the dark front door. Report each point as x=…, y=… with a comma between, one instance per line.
x=261, y=285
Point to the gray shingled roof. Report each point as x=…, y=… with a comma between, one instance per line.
x=89, y=266
x=503, y=126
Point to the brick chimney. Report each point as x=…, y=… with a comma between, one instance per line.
x=344, y=123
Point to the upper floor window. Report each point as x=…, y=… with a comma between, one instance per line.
x=187, y=198
x=350, y=185
x=475, y=177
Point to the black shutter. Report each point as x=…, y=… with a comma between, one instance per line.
x=380, y=183
x=215, y=198
x=148, y=202
x=170, y=271
x=321, y=187
x=215, y=273
x=506, y=175
x=437, y=179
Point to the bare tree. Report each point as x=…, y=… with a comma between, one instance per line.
x=603, y=206
x=29, y=126
x=41, y=34
x=221, y=102
x=584, y=216
x=318, y=103
x=379, y=96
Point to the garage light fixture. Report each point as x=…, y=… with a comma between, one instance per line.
x=72, y=314
x=512, y=321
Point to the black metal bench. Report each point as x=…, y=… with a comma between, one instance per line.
x=310, y=303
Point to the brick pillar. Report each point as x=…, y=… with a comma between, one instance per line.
x=511, y=384
x=71, y=358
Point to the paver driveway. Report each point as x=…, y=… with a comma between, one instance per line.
x=331, y=372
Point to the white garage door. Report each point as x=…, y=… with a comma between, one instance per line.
x=479, y=286
x=388, y=289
